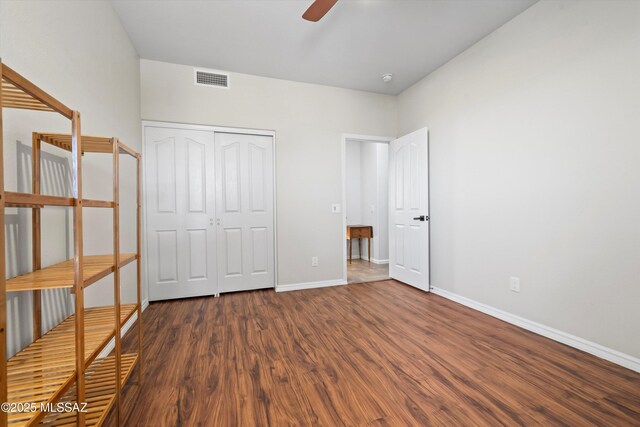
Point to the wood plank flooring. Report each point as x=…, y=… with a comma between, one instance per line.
x=360, y=271
x=375, y=354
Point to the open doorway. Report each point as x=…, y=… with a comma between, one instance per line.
x=366, y=208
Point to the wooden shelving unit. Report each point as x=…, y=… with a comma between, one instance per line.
x=63, y=364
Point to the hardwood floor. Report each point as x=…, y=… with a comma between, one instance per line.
x=379, y=354
x=360, y=271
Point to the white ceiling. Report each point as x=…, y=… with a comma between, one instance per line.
x=351, y=47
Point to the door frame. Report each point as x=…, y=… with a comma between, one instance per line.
x=361, y=138
x=214, y=129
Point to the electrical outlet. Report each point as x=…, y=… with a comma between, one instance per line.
x=335, y=208
x=314, y=261
x=515, y=284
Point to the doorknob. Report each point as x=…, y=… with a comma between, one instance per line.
x=422, y=218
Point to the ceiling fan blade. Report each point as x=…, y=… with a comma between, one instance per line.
x=318, y=9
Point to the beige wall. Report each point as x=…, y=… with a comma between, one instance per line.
x=535, y=168
x=78, y=52
x=309, y=121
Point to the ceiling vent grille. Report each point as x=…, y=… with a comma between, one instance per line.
x=210, y=78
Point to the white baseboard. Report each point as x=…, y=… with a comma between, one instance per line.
x=310, y=285
x=373, y=260
x=598, y=350
x=125, y=328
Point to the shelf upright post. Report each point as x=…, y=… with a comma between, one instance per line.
x=76, y=154
x=139, y=262
x=3, y=278
x=116, y=270
x=36, y=237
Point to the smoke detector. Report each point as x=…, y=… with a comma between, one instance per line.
x=387, y=77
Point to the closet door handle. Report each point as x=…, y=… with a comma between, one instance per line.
x=422, y=218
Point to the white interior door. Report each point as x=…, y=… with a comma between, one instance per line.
x=179, y=211
x=244, y=211
x=409, y=209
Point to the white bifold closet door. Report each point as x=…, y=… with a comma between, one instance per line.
x=244, y=211
x=180, y=209
x=209, y=212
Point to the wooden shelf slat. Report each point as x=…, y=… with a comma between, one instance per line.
x=44, y=370
x=61, y=275
x=14, y=97
x=127, y=150
x=88, y=203
x=30, y=200
x=13, y=199
x=18, y=92
x=90, y=143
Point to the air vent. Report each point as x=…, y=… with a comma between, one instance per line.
x=210, y=78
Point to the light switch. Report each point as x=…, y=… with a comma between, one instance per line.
x=335, y=208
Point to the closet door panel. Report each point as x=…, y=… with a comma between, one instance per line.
x=180, y=229
x=245, y=211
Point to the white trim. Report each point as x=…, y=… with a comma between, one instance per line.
x=310, y=285
x=143, y=198
x=366, y=138
x=351, y=137
x=214, y=129
x=373, y=260
x=275, y=213
x=208, y=128
x=125, y=328
x=598, y=350
x=343, y=233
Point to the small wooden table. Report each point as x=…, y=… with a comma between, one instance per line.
x=359, y=232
